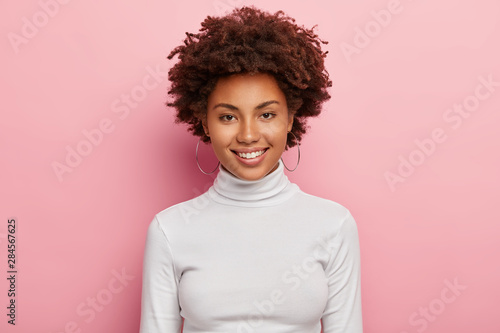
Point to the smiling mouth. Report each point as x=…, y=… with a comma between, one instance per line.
x=250, y=155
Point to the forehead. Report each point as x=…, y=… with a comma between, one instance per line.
x=246, y=88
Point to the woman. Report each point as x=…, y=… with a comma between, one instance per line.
x=254, y=253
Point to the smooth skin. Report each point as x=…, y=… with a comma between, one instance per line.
x=248, y=113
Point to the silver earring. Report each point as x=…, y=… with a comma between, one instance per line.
x=298, y=149
x=198, y=163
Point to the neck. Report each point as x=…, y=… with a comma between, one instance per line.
x=270, y=189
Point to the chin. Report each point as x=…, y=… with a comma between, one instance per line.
x=248, y=177
x=253, y=173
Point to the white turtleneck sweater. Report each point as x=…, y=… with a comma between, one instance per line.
x=252, y=256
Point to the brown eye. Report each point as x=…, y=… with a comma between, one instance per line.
x=226, y=117
x=268, y=115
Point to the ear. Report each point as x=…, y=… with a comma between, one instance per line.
x=205, y=126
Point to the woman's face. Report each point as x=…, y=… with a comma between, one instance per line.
x=247, y=121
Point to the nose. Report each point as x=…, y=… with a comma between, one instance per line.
x=248, y=132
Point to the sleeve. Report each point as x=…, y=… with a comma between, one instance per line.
x=343, y=309
x=160, y=310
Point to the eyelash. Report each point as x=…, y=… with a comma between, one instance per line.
x=270, y=116
x=224, y=117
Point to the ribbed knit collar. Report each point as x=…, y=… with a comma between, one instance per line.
x=270, y=190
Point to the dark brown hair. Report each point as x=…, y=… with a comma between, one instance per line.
x=249, y=40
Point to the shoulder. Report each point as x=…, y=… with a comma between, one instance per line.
x=326, y=206
x=183, y=212
x=334, y=219
x=324, y=214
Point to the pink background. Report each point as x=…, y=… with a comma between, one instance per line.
x=68, y=72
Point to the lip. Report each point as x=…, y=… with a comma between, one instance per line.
x=250, y=161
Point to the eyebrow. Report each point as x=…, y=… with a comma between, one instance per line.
x=258, y=107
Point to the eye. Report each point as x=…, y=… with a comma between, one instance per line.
x=267, y=115
x=226, y=117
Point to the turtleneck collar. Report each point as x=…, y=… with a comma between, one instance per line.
x=272, y=189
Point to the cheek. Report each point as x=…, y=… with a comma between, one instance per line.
x=277, y=133
x=220, y=137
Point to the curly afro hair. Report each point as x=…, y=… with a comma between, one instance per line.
x=249, y=40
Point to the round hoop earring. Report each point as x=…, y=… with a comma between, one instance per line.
x=198, y=163
x=298, y=150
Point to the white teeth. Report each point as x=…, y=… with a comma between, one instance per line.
x=251, y=155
